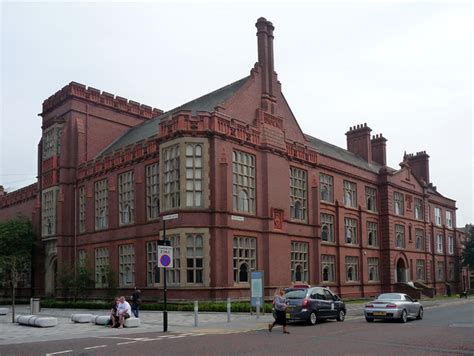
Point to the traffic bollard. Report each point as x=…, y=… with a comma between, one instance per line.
x=258, y=308
x=228, y=310
x=196, y=310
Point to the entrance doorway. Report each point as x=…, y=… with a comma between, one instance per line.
x=401, y=271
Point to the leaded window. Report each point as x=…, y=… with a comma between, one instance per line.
x=126, y=198
x=101, y=267
x=438, y=216
x=451, y=270
x=194, y=258
x=153, y=191
x=327, y=227
x=101, y=204
x=371, y=199
x=350, y=194
x=49, y=212
x=373, y=269
x=194, y=178
x=398, y=203
x=152, y=269
x=399, y=236
x=328, y=269
x=82, y=209
x=350, y=226
x=51, y=142
x=243, y=182
x=372, y=234
x=298, y=191
x=419, y=239
x=439, y=271
x=173, y=275
x=418, y=209
x=352, y=268
x=439, y=243
x=449, y=219
x=171, y=177
x=299, y=262
x=244, y=258
x=126, y=265
x=450, y=245
x=326, y=187
x=420, y=270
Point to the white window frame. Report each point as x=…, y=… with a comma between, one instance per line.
x=243, y=182
x=326, y=189
x=244, y=252
x=327, y=227
x=352, y=262
x=398, y=203
x=438, y=216
x=371, y=199
x=350, y=231
x=373, y=269
x=350, y=194
x=329, y=262
x=439, y=243
x=372, y=228
x=451, y=245
x=194, y=174
x=449, y=219
x=298, y=193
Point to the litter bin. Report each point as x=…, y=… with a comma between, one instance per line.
x=35, y=305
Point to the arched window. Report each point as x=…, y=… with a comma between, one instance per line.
x=370, y=204
x=399, y=240
x=243, y=201
x=348, y=235
x=326, y=274
x=325, y=233
x=350, y=274
x=243, y=273
x=371, y=274
x=371, y=238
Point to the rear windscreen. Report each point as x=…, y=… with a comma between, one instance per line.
x=296, y=294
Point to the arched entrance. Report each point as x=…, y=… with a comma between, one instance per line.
x=401, y=271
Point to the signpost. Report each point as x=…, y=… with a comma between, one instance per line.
x=256, y=290
x=165, y=260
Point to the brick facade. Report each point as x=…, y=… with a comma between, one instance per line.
x=226, y=225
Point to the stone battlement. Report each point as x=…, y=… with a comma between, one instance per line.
x=93, y=95
x=20, y=195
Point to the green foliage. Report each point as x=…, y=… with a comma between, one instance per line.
x=16, y=246
x=112, y=283
x=74, y=284
x=467, y=255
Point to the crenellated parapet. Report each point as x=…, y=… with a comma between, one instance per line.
x=19, y=196
x=80, y=91
x=301, y=152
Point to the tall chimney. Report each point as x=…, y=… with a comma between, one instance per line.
x=358, y=141
x=265, y=59
x=420, y=165
x=379, y=152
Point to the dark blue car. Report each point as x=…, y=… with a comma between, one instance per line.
x=312, y=304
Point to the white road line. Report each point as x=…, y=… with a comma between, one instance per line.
x=177, y=337
x=59, y=352
x=126, y=343
x=94, y=347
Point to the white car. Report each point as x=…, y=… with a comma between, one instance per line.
x=396, y=306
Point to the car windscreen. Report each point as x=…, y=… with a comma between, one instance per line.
x=295, y=294
x=389, y=296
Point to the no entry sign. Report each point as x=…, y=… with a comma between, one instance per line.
x=165, y=256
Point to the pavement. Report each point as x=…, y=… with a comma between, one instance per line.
x=152, y=321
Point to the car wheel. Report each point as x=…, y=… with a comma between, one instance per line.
x=369, y=320
x=341, y=315
x=313, y=318
x=420, y=314
x=404, y=316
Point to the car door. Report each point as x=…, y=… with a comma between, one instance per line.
x=410, y=305
x=334, y=306
x=323, y=305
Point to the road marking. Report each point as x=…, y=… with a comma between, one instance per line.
x=126, y=343
x=94, y=347
x=59, y=352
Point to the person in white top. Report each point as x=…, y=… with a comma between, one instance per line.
x=124, y=311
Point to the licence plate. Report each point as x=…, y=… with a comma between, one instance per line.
x=288, y=315
x=380, y=313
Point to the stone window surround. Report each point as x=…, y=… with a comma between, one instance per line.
x=300, y=256
x=298, y=193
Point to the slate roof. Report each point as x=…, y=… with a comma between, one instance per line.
x=341, y=154
x=150, y=127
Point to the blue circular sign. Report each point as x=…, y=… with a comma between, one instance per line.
x=165, y=260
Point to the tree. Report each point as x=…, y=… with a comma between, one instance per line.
x=467, y=255
x=16, y=248
x=75, y=284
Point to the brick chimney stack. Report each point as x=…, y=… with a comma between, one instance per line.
x=419, y=164
x=358, y=141
x=379, y=151
x=265, y=60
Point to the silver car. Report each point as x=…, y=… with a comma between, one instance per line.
x=396, y=306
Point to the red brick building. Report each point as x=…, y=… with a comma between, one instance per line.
x=251, y=190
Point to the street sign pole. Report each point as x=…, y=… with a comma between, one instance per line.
x=165, y=309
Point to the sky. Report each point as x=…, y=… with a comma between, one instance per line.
x=402, y=67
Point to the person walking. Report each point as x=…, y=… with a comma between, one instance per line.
x=280, y=304
x=136, y=300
